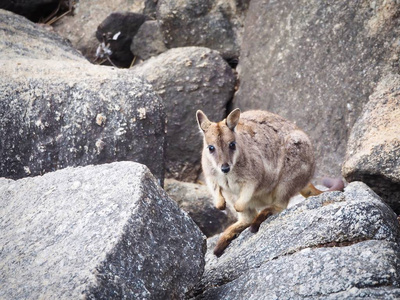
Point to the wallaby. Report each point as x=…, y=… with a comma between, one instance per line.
x=256, y=161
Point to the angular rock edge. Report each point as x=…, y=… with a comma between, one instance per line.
x=101, y=231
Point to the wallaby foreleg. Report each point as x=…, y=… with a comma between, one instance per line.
x=220, y=202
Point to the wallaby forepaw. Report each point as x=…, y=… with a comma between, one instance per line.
x=239, y=207
x=221, y=205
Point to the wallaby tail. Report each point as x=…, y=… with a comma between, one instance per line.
x=334, y=184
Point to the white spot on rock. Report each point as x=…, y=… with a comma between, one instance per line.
x=142, y=113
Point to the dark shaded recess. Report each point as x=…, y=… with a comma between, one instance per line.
x=386, y=188
x=35, y=11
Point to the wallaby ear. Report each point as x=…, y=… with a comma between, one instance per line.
x=202, y=120
x=233, y=119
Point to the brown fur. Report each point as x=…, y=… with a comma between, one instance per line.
x=271, y=161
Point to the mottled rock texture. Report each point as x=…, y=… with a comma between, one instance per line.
x=366, y=270
x=209, y=23
x=195, y=199
x=373, y=150
x=62, y=111
x=316, y=63
x=18, y=36
x=148, y=41
x=326, y=245
x=97, y=232
x=188, y=79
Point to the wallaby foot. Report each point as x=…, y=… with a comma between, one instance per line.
x=262, y=216
x=228, y=235
x=310, y=190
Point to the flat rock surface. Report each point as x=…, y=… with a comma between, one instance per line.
x=100, y=232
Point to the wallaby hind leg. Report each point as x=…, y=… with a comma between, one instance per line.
x=262, y=216
x=234, y=230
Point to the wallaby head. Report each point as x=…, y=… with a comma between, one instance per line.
x=220, y=144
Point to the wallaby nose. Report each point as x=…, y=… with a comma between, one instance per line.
x=225, y=168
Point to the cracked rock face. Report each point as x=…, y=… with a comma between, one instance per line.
x=334, y=245
x=316, y=63
x=373, y=149
x=97, y=232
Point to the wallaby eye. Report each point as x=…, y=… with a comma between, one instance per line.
x=232, y=145
x=211, y=148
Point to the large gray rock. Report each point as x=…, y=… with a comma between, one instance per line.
x=188, y=79
x=196, y=200
x=373, y=150
x=97, y=232
x=364, y=270
x=295, y=252
x=316, y=63
x=60, y=112
x=17, y=36
x=209, y=23
x=148, y=41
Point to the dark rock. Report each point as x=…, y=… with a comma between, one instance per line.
x=373, y=150
x=148, y=41
x=316, y=63
x=116, y=33
x=188, y=79
x=150, y=8
x=295, y=252
x=60, y=112
x=96, y=232
x=214, y=24
x=196, y=200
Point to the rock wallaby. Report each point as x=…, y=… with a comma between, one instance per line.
x=256, y=161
